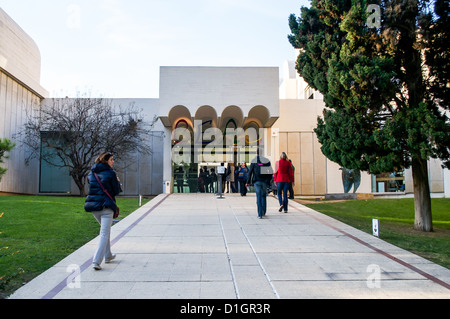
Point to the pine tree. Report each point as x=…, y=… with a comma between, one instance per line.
x=5, y=146
x=385, y=85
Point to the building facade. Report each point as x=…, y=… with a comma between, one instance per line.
x=195, y=104
x=20, y=94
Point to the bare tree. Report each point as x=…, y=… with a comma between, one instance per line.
x=75, y=131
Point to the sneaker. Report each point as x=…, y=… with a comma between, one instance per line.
x=108, y=260
x=96, y=267
x=281, y=208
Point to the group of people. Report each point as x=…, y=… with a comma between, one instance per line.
x=104, y=185
x=203, y=182
x=233, y=181
x=235, y=178
x=260, y=175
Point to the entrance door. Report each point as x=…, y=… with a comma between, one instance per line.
x=185, y=178
x=202, y=177
x=195, y=178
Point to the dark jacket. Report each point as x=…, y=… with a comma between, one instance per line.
x=260, y=171
x=97, y=200
x=242, y=174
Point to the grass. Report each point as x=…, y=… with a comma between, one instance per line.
x=396, y=223
x=36, y=232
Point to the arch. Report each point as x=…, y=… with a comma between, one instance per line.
x=208, y=117
x=252, y=124
x=179, y=112
x=232, y=112
x=260, y=114
x=182, y=122
x=208, y=113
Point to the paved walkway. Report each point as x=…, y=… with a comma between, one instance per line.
x=197, y=246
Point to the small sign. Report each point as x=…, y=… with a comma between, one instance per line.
x=221, y=170
x=275, y=132
x=376, y=227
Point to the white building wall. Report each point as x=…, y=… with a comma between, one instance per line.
x=19, y=55
x=20, y=95
x=144, y=174
x=446, y=173
x=16, y=102
x=219, y=87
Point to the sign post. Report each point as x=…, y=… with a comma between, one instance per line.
x=220, y=173
x=376, y=227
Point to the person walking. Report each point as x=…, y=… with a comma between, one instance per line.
x=102, y=176
x=260, y=174
x=206, y=179
x=192, y=181
x=230, y=178
x=179, y=178
x=213, y=185
x=236, y=178
x=291, y=188
x=283, y=176
x=242, y=177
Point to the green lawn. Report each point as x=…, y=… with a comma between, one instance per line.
x=396, y=223
x=36, y=232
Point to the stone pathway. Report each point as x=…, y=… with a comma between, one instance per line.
x=197, y=246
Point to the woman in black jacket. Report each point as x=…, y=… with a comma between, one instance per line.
x=101, y=206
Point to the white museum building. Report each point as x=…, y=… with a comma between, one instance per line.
x=276, y=104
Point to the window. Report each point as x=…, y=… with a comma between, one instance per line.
x=53, y=178
x=390, y=182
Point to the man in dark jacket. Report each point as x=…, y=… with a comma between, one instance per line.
x=260, y=174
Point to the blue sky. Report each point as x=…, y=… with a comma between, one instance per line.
x=114, y=48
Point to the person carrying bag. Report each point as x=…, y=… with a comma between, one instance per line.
x=117, y=210
x=104, y=185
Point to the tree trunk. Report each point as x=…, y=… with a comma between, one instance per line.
x=422, y=199
x=79, y=181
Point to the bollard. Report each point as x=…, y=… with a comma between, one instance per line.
x=220, y=187
x=220, y=174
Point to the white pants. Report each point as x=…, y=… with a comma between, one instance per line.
x=104, y=218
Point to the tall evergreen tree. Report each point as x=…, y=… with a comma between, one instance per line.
x=383, y=70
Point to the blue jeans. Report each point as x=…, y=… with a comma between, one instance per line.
x=282, y=189
x=261, y=197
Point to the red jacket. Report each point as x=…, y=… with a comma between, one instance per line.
x=283, y=172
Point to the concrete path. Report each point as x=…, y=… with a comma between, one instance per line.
x=197, y=246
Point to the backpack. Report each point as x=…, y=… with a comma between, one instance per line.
x=263, y=171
